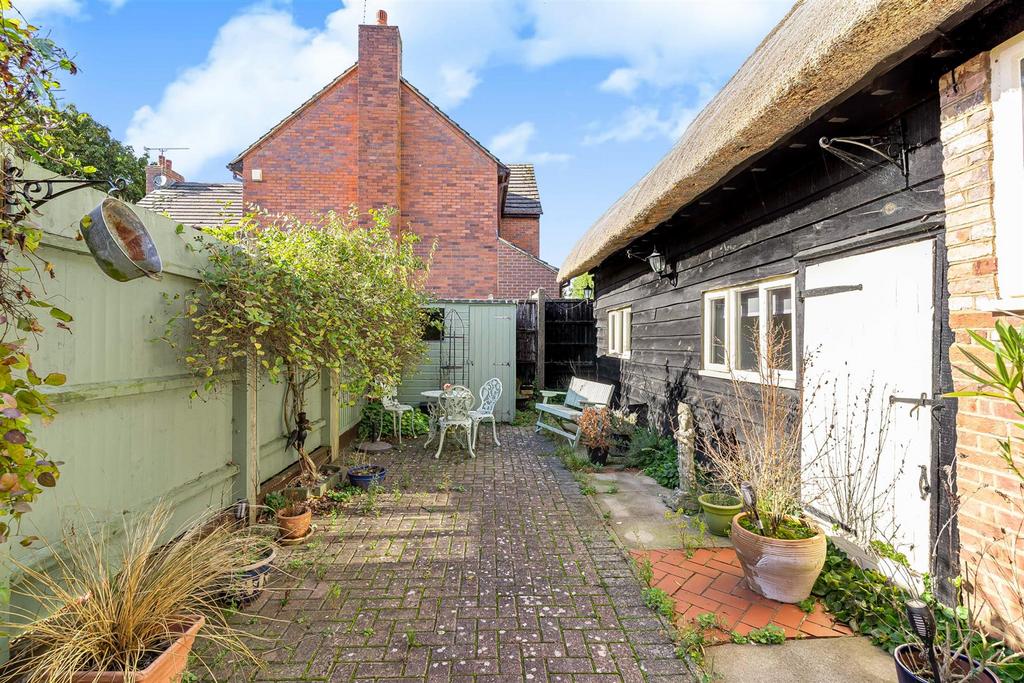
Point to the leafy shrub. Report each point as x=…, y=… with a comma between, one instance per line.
x=369, y=422
x=525, y=418
x=655, y=454
x=873, y=606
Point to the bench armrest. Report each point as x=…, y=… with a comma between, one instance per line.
x=551, y=394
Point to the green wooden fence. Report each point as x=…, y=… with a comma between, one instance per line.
x=127, y=431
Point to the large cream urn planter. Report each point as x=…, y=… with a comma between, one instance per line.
x=778, y=569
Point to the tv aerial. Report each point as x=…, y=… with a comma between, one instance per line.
x=160, y=179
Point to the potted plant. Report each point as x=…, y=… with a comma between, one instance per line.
x=781, y=552
x=719, y=509
x=595, y=427
x=126, y=609
x=251, y=568
x=365, y=476
x=294, y=521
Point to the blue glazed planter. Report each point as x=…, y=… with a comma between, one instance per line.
x=365, y=476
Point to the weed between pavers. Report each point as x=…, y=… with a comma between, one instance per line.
x=659, y=601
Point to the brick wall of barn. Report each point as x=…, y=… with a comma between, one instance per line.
x=992, y=499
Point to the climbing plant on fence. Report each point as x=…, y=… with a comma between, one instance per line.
x=29, y=121
x=301, y=297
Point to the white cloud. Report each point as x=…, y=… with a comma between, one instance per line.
x=662, y=43
x=33, y=9
x=513, y=145
x=642, y=123
x=263, y=64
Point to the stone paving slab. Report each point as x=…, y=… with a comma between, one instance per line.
x=488, y=569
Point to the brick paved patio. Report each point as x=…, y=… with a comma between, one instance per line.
x=504, y=574
x=711, y=580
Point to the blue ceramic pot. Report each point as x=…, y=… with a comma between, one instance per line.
x=365, y=476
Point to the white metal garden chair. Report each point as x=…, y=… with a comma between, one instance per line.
x=389, y=401
x=490, y=392
x=455, y=405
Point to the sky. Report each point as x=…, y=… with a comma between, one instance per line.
x=593, y=92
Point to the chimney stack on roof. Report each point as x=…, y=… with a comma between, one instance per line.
x=379, y=108
x=161, y=169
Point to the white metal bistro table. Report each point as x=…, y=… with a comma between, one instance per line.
x=433, y=397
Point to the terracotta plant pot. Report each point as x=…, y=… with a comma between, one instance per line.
x=777, y=569
x=294, y=524
x=909, y=657
x=719, y=509
x=167, y=668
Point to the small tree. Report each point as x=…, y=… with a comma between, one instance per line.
x=299, y=298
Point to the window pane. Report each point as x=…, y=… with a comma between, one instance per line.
x=627, y=331
x=781, y=325
x=749, y=312
x=717, y=328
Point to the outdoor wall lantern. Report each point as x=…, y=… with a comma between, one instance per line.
x=117, y=238
x=656, y=260
x=588, y=292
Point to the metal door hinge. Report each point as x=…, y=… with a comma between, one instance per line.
x=827, y=291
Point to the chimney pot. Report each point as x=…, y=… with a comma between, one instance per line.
x=382, y=17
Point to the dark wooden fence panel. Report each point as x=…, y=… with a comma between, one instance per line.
x=570, y=341
x=526, y=343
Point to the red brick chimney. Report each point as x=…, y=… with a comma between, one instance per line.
x=379, y=75
x=162, y=168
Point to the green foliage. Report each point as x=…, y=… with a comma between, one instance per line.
x=305, y=296
x=646, y=570
x=30, y=122
x=587, y=487
x=344, y=494
x=275, y=500
x=807, y=605
x=692, y=640
x=769, y=635
x=659, y=601
x=85, y=138
x=577, y=284
x=370, y=421
x=525, y=418
x=573, y=460
x=1000, y=379
x=871, y=605
x=655, y=454
x=738, y=638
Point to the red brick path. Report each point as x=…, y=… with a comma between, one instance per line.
x=711, y=581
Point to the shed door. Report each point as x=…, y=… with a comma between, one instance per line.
x=492, y=352
x=868, y=326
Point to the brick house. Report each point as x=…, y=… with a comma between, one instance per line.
x=862, y=190
x=372, y=139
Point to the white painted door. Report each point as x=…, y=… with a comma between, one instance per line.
x=868, y=348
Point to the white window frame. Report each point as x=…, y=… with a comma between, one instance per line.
x=620, y=332
x=786, y=378
x=1008, y=165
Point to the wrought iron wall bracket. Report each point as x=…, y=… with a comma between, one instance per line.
x=22, y=195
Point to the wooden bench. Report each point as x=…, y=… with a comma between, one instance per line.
x=582, y=394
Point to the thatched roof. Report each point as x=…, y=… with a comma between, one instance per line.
x=818, y=52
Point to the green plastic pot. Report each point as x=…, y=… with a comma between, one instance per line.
x=718, y=513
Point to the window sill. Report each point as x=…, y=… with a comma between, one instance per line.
x=620, y=356
x=786, y=381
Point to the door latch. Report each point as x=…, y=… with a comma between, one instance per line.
x=918, y=403
x=923, y=485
